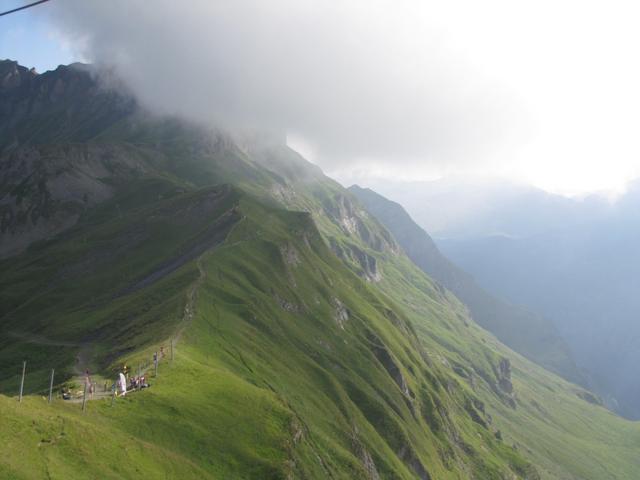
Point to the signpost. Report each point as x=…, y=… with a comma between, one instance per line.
x=24, y=369
x=155, y=363
x=84, y=397
x=51, y=386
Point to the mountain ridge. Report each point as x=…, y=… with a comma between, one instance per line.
x=526, y=333
x=314, y=349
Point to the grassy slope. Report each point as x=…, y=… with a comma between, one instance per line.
x=521, y=330
x=72, y=291
x=565, y=436
x=556, y=426
x=267, y=383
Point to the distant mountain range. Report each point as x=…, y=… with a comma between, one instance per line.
x=457, y=207
x=524, y=331
x=583, y=278
x=574, y=261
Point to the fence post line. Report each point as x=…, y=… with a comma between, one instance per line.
x=24, y=369
x=51, y=385
x=84, y=397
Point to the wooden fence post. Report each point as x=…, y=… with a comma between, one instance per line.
x=84, y=397
x=155, y=363
x=51, y=386
x=24, y=369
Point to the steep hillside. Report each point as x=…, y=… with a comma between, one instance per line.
x=280, y=322
x=523, y=331
x=307, y=344
x=584, y=279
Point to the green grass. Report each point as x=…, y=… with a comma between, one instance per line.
x=271, y=379
x=564, y=436
x=572, y=439
x=156, y=433
x=267, y=381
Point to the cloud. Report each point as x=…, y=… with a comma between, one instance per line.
x=361, y=81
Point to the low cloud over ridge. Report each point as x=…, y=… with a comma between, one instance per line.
x=373, y=80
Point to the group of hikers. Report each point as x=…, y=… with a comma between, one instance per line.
x=135, y=382
x=123, y=384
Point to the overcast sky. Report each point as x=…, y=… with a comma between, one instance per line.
x=546, y=92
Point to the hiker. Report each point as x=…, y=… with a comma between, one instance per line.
x=162, y=351
x=122, y=383
x=88, y=383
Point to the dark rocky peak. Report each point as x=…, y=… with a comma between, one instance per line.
x=18, y=82
x=72, y=103
x=13, y=75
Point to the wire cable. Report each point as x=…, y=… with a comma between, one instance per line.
x=23, y=7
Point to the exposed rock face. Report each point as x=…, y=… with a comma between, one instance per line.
x=368, y=265
x=389, y=363
x=352, y=219
x=14, y=76
x=66, y=97
x=290, y=255
x=504, y=375
x=283, y=192
x=589, y=397
x=474, y=409
x=365, y=457
x=46, y=179
x=341, y=314
x=409, y=457
x=287, y=305
x=43, y=190
x=503, y=386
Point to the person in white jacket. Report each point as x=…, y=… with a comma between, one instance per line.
x=122, y=384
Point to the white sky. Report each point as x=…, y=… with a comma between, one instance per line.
x=574, y=69
x=545, y=92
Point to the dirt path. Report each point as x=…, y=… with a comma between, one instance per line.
x=83, y=357
x=99, y=394
x=86, y=349
x=192, y=296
